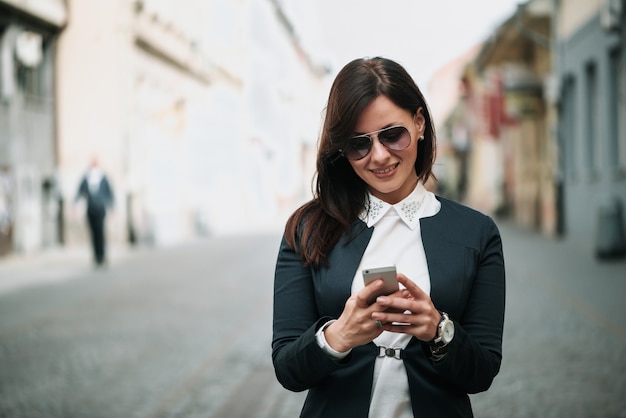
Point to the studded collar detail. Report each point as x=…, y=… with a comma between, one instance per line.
x=409, y=209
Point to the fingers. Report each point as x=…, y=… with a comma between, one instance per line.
x=420, y=331
x=358, y=323
x=413, y=288
x=368, y=292
x=412, y=298
x=355, y=325
x=409, y=311
x=419, y=325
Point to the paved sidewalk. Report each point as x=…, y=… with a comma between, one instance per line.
x=570, y=272
x=564, y=348
x=564, y=341
x=51, y=265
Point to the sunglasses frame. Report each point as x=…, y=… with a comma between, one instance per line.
x=370, y=135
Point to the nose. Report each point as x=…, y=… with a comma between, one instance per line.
x=379, y=151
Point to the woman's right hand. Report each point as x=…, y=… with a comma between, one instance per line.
x=355, y=325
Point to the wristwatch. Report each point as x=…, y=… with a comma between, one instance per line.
x=445, y=332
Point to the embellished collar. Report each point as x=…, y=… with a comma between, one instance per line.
x=409, y=209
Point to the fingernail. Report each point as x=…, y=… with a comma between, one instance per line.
x=381, y=299
x=376, y=316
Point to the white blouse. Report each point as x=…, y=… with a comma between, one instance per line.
x=396, y=240
x=94, y=178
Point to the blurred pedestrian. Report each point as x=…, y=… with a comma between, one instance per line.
x=422, y=349
x=97, y=191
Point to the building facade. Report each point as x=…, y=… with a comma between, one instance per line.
x=131, y=74
x=30, y=202
x=590, y=48
x=203, y=113
x=516, y=64
x=539, y=130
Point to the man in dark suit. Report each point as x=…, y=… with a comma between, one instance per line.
x=98, y=193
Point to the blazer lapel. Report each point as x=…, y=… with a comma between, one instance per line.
x=448, y=263
x=334, y=283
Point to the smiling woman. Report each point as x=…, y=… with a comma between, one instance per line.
x=389, y=172
x=421, y=349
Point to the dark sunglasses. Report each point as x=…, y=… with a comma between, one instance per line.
x=395, y=138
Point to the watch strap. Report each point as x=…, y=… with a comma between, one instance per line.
x=437, y=342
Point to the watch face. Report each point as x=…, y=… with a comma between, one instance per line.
x=448, y=332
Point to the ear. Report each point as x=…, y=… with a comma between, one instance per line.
x=420, y=121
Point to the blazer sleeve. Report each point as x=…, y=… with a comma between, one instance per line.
x=298, y=360
x=474, y=355
x=109, y=197
x=82, y=190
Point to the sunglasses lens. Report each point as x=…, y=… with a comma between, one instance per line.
x=395, y=138
x=357, y=148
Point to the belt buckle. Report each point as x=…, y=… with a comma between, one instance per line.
x=389, y=352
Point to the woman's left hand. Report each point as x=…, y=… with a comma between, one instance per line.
x=418, y=316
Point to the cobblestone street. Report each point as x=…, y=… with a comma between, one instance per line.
x=185, y=331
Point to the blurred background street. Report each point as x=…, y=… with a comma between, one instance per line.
x=185, y=331
x=205, y=115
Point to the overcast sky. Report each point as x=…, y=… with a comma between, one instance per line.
x=423, y=35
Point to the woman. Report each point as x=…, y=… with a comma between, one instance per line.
x=422, y=349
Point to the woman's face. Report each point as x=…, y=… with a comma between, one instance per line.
x=390, y=175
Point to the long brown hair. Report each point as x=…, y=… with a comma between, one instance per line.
x=340, y=195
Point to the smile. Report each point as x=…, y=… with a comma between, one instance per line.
x=385, y=170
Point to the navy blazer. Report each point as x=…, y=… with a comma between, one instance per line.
x=466, y=267
x=99, y=200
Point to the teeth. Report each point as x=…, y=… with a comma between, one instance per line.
x=386, y=170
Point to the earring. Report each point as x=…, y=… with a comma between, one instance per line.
x=421, y=138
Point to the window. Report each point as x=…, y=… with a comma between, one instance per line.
x=567, y=139
x=616, y=149
x=592, y=136
x=32, y=64
x=30, y=81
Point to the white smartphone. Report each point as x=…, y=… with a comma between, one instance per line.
x=388, y=274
